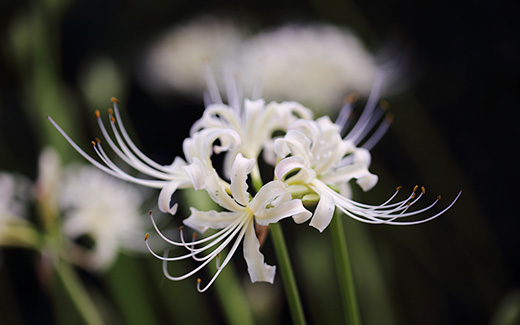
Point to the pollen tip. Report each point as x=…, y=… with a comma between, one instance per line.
x=146, y=236
x=150, y=213
x=93, y=142
x=423, y=190
x=112, y=119
x=199, y=280
x=438, y=197
x=413, y=195
x=398, y=188
x=181, y=228
x=194, y=235
x=110, y=111
x=97, y=113
x=114, y=100
x=384, y=105
x=415, y=188
x=351, y=98
x=389, y=117
x=97, y=140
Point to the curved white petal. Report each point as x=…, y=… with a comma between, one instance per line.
x=323, y=213
x=196, y=173
x=362, y=156
x=239, y=172
x=305, y=174
x=257, y=268
x=287, y=165
x=345, y=174
x=367, y=182
x=266, y=195
x=293, y=208
x=200, y=145
x=165, y=197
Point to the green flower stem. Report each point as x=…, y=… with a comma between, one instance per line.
x=232, y=297
x=78, y=294
x=282, y=255
x=345, y=277
x=291, y=289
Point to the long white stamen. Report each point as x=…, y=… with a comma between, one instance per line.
x=230, y=231
x=100, y=166
x=123, y=175
x=231, y=90
x=370, y=106
x=226, y=261
x=133, y=161
x=131, y=144
x=212, y=84
x=385, y=213
x=164, y=258
x=363, y=132
x=378, y=134
x=346, y=112
x=209, y=259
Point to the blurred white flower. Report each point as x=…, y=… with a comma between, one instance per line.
x=15, y=195
x=90, y=205
x=106, y=209
x=316, y=65
x=177, y=60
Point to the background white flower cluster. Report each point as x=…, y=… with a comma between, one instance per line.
x=316, y=65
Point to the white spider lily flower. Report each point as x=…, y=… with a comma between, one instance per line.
x=167, y=178
x=317, y=162
x=237, y=224
x=254, y=122
x=106, y=209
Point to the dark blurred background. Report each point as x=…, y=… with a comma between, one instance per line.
x=455, y=127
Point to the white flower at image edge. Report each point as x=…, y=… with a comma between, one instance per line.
x=14, y=198
x=271, y=204
x=104, y=208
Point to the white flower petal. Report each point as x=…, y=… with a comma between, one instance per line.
x=323, y=213
x=258, y=270
x=197, y=173
x=367, y=182
x=266, y=195
x=287, y=165
x=241, y=168
x=165, y=197
x=293, y=208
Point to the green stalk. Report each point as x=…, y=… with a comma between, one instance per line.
x=78, y=294
x=282, y=255
x=289, y=282
x=345, y=277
